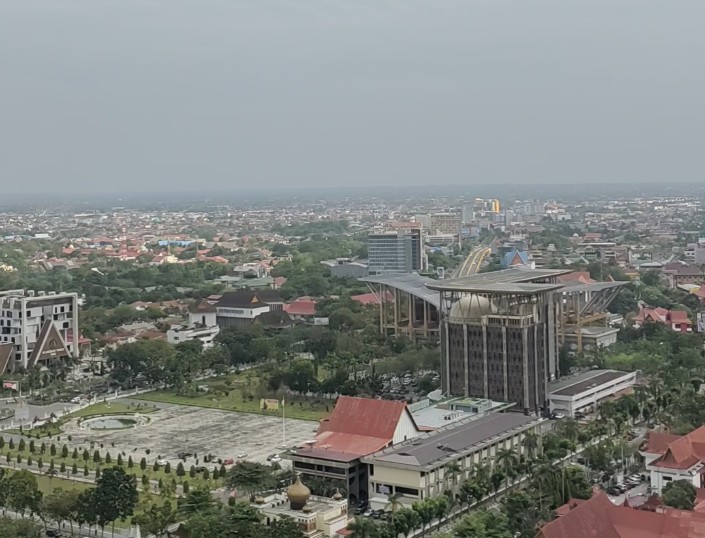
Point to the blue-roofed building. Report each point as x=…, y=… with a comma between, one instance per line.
x=517, y=258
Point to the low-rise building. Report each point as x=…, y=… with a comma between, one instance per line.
x=598, y=517
x=670, y=457
x=584, y=392
x=677, y=320
x=34, y=328
x=356, y=428
x=419, y=468
x=316, y=516
x=240, y=308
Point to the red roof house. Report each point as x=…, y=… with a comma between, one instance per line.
x=599, y=518
x=301, y=308
x=677, y=320
x=358, y=427
x=675, y=457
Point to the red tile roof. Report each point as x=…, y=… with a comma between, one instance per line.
x=371, y=298
x=684, y=452
x=657, y=442
x=357, y=427
x=303, y=306
x=599, y=518
x=661, y=315
x=579, y=276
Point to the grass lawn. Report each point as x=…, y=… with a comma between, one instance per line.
x=104, y=408
x=304, y=410
x=236, y=386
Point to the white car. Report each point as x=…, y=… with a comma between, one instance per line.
x=162, y=462
x=276, y=458
x=242, y=455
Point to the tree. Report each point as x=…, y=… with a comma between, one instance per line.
x=180, y=471
x=20, y=528
x=143, y=464
x=115, y=496
x=483, y=524
x=363, y=527
x=285, y=527
x=157, y=519
x=524, y=514
x=23, y=492
x=64, y=452
x=249, y=477
x=61, y=506
x=679, y=494
x=195, y=501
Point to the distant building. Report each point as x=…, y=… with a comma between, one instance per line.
x=347, y=268
x=302, y=309
x=676, y=320
x=390, y=252
x=35, y=328
x=201, y=326
x=240, y=308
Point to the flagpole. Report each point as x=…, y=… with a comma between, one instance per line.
x=284, y=421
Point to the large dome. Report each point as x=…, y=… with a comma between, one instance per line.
x=298, y=494
x=470, y=307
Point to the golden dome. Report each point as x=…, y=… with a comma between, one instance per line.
x=337, y=496
x=306, y=509
x=259, y=500
x=298, y=494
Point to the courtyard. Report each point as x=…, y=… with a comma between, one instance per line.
x=177, y=428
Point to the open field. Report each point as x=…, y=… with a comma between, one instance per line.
x=232, y=393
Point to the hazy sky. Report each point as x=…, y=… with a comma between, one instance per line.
x=111, y=95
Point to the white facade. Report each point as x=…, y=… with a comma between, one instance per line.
x=661, y=477
x=412, y=482
x=583, y=395
x=29, y=319
x=179, y=334
x=406, y=429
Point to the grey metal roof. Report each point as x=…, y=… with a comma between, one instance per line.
x=408, y=283
x=499, y=281
x=453, y=441
x=496, y=289
x=581, y=382
x=580, y=287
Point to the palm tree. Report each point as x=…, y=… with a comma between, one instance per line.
x=530, y=443
x=363, y=527
x=452, y=470
x=507, y=460
x=393, y=504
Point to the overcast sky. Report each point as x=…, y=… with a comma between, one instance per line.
x=131, y=95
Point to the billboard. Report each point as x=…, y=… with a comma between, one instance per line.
x=269, y=404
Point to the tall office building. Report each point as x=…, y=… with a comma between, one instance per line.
x=498, y=335
x=390, y=252
x=37, y=328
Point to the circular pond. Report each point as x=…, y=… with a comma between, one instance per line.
x=114, y=422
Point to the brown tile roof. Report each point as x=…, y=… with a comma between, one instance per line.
x=599, y=518
x=684, y=452
x=657, y=442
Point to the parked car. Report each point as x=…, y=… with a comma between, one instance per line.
x=276, y=458
x=242, y=455
x=229, y=461
x=162, y=462
x=184, y=455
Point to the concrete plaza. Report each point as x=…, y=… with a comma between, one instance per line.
x=175, y=428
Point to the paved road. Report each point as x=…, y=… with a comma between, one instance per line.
x=473, y=262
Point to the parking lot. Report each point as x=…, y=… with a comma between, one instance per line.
x=173, y=429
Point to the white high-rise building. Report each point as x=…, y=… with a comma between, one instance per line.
x=37, y=328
